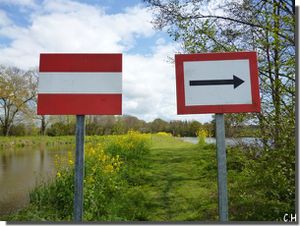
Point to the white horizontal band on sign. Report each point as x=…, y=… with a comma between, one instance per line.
x=78, y=82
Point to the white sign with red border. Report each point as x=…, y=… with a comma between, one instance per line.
x=217, y=83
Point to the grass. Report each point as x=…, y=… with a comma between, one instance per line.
x=177, y=184
x=158, y=178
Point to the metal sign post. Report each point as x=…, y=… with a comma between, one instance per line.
x=79, y=169
x=222, y=169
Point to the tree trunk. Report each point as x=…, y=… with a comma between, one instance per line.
x=277, y=81
x=43, y=125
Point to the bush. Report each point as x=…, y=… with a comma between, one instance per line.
x=201, y=134
x=261, y=188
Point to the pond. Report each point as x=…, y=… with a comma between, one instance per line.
x=23, y=169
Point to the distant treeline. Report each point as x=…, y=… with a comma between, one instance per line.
x=106, y=125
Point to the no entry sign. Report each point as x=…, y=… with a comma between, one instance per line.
x=80, y=84
x=217, y=83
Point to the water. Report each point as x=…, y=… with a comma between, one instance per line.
x=23, y=169
x=228, y=141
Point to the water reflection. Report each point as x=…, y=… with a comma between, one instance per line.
x=21, y=170
x=228, y=141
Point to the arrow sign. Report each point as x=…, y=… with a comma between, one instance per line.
x=236, y=81
x=217, y=83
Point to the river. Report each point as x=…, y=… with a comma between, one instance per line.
x=23, y=169
x=228, y=141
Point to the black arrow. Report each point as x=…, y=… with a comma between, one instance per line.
x=236, y=81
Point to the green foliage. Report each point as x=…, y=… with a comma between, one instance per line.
x=61, y=129
x=262, y=186
x=17, y=91
x=56, y=197
x=131, y=147
x=170, y=180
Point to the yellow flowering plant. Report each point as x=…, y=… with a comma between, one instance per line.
x=110, y=164
x=202, y=135
x=165, y=134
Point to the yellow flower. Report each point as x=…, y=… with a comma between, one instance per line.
x=58, y=174
x=108, y=169
x=90, y=180
x=164, y=134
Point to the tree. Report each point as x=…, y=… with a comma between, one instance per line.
x=133, y=123
x=159, y=125
x=17, y=89
x=267, y=27
x=118, y=127
x=44, y=119
x=194, y=126
x=44, y=124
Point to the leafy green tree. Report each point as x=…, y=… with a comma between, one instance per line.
x=159, y=125
x=133, y=123
x=194, y=126
x=61, y=129
x=118, y=127
x=267, y=27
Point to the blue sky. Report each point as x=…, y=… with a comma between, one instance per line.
x=29, y=27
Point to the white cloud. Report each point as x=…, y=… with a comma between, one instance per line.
x=68, y=26
x=149, y=85
x=4, y=19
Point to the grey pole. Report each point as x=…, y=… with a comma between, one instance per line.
x=79, y=169
x=222, y=169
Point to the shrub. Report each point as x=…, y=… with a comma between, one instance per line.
x=201, y=134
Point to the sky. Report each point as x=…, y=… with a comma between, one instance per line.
x=31, y=27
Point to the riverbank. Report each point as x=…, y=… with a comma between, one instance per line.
x=13, y=143
x=137, y=177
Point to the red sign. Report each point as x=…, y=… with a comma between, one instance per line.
x=217, y=83
x=80, y=84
